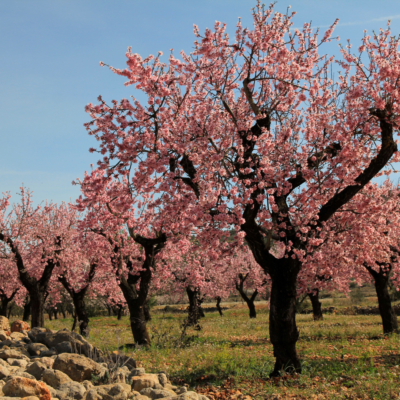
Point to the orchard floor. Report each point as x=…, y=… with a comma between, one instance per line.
x=343, y=356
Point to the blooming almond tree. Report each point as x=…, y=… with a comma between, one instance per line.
x=254, y=134
x=33, y=239
x=364, y=245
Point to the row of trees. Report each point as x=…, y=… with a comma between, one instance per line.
x=252, y=135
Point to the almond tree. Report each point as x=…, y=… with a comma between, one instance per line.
x=255, y=134
x=364, y=245
x=33, y=239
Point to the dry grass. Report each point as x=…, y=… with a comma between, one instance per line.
x=343, y=357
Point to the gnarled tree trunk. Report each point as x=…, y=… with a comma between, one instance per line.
x=283, y=330
x=249, y=300
x=381, y=281
x=78, y=298
x=135, y=300
x=316, y=305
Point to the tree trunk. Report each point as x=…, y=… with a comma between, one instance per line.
x=381, y=280
x=55, y=314
x=78, y=298
x=388, y=315
x=80, y=311
x=147, y=314
x=119, y=313
x=218, y=305
x=316, y=305
x=75, y=317
x=37, y=307
x=195, y=311
x=10, y=310
x=4, y=305
x=109, y=310
x=50, y=312
x=282, y=317
x=27, y=309
x=136, y=299
x=138, y=322
x=249, y=301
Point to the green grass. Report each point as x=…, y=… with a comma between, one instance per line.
x=343, y=356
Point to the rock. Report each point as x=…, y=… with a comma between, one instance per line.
x=162, y=378
x=144, y=381
x=17, y=336
x=10, y=353
x=63, y=347
x=88, y=385
x=202, y=397
x=156, y=393
x=19, y=326
x=34, y=349
x=168, y=386
x=49, y=353
x=54, y=392
x=71, y=390
x=117, y=391
x=55, y=378
x=22, y=374
x=92, y=395
x=136, y=372
x=23, y=387
x=140, y=397
x=186, y=396
x=120, y=374
x=79, y=368
x=34, y=332
x=3, y=335
x=181, y=390
x=36, y=369
x=4, y=363
x=78, y=343
x=4, y=372
x=47, y=361
x=17, y=363
x=4, y=324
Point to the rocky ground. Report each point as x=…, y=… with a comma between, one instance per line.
x=44, y=364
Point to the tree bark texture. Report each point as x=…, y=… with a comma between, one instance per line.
x=283, y=330
x=38, y=299
x=195, y=311
x=147, y=314
x=316, y=305
x=27, y=309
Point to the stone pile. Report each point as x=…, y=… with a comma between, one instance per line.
x=41, y=364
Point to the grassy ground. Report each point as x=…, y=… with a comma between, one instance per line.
x=343, y=356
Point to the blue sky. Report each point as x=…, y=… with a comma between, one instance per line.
x=50, y=52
